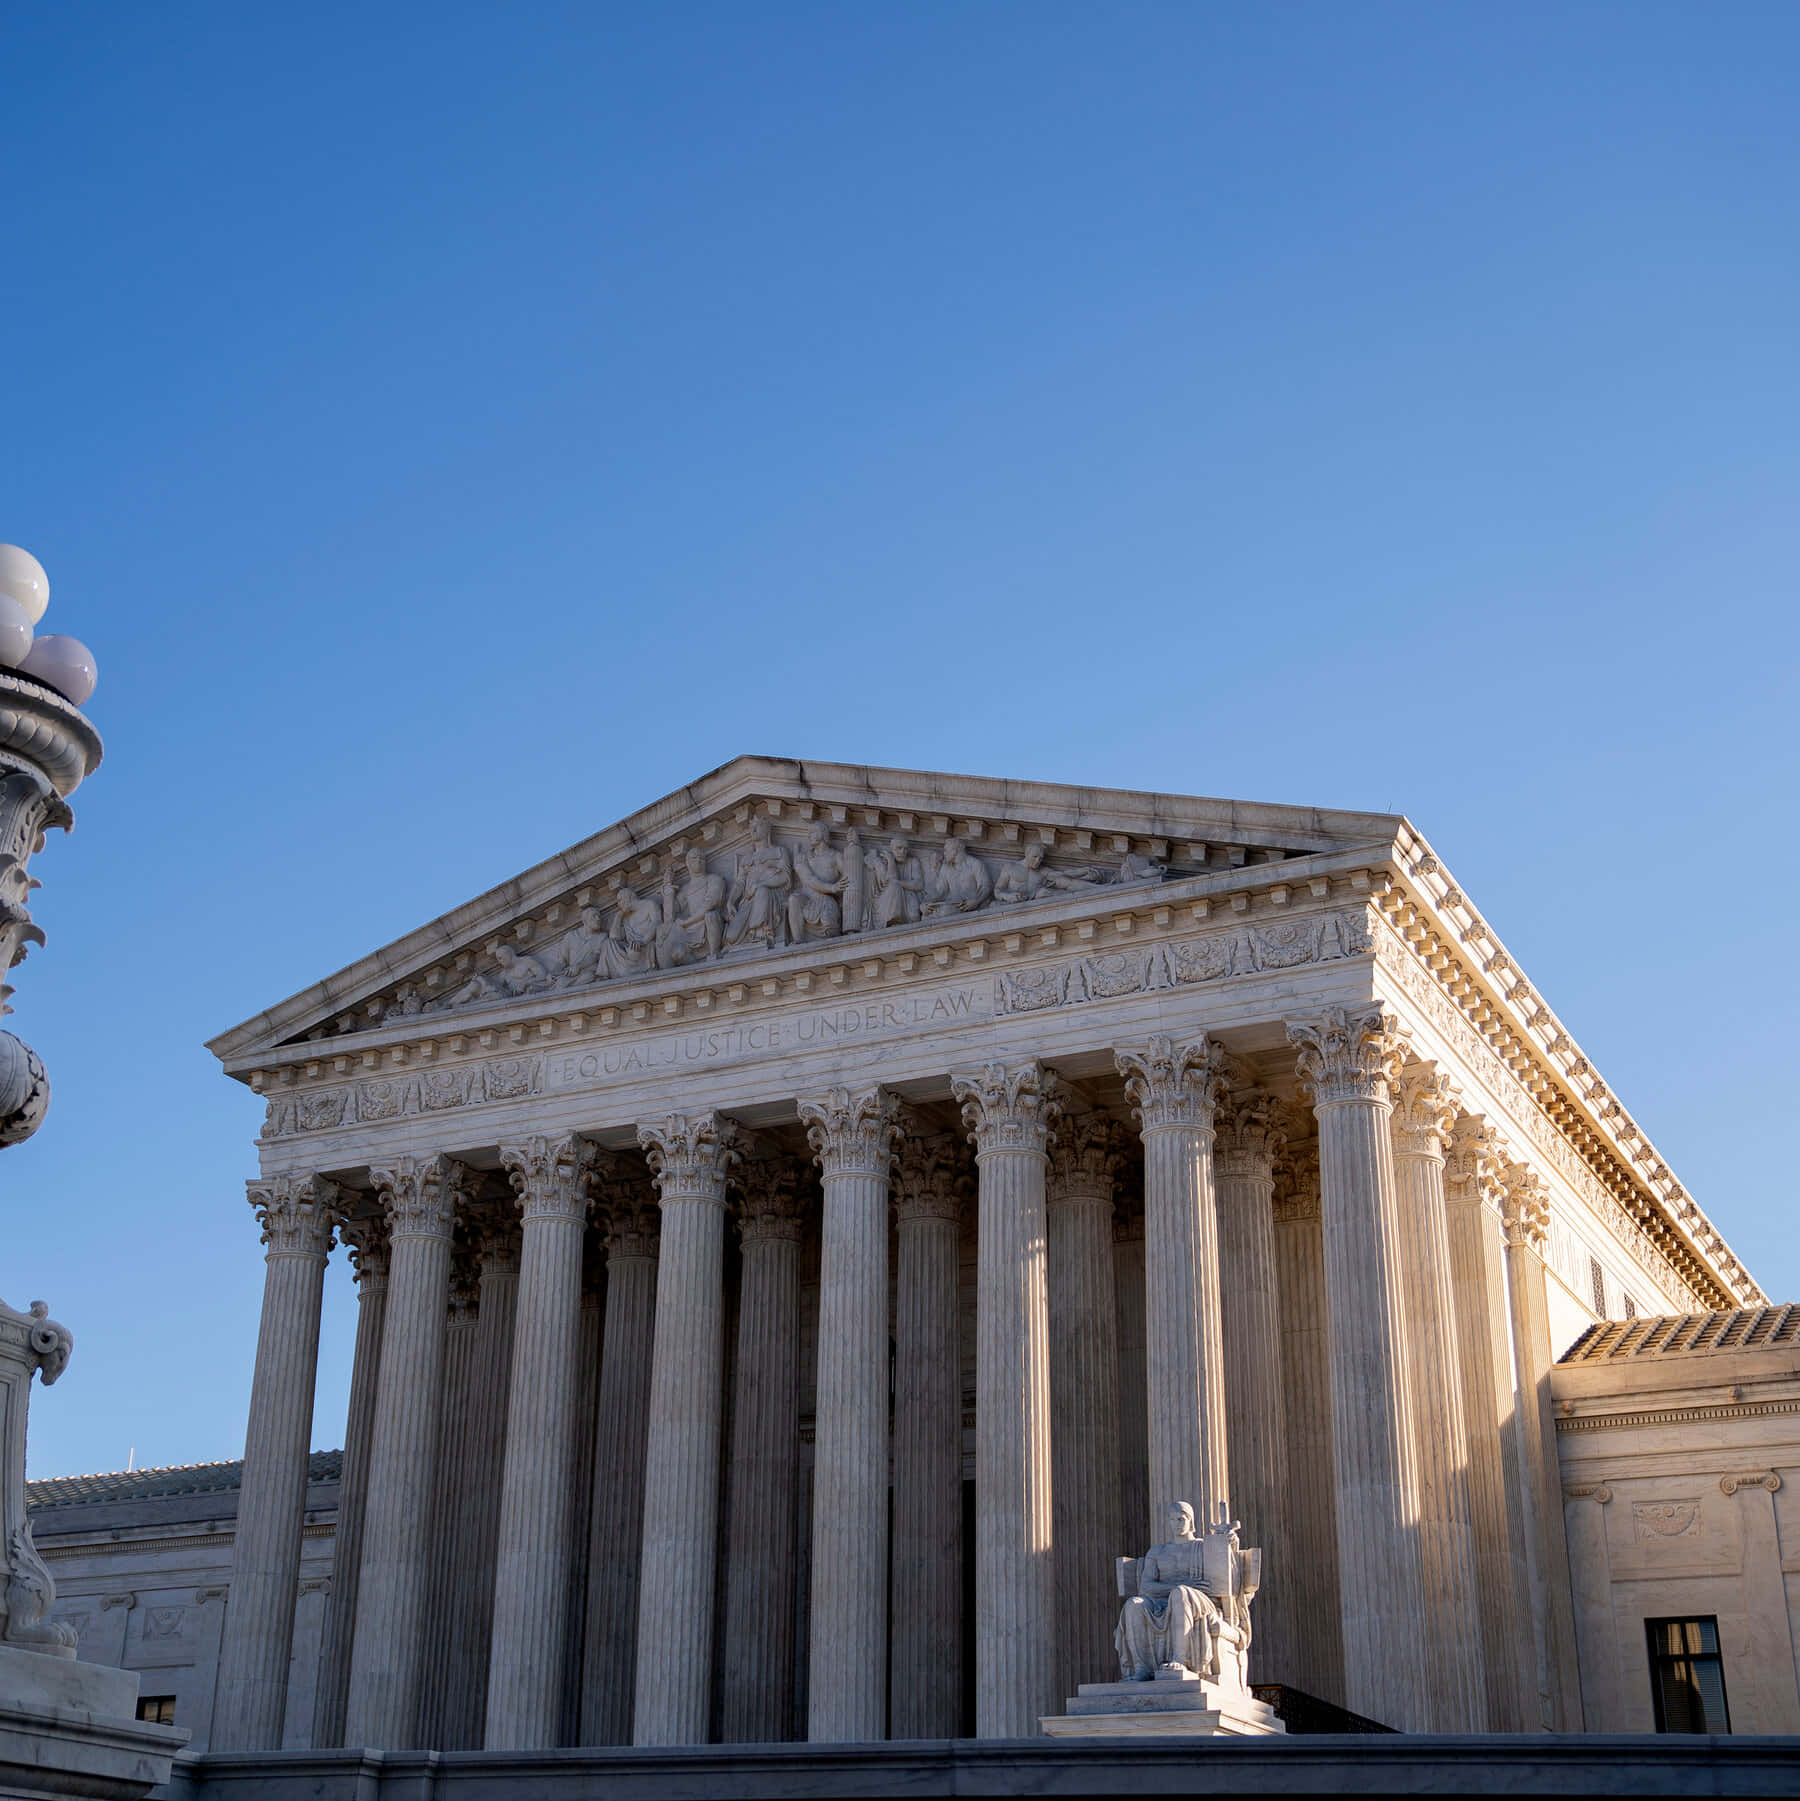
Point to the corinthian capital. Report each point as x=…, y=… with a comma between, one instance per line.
x=296, y=1214
x=1348, y=1054
x=770, y=1204
x=852, y=1134
x=419, y=1195
x=1476, y=1163
x=691, y=1155
x=549, y=1175
x=1250, y=1133
x=1006, y=1109
x=1424, y=1110
x=367, y=1239
x=1085, y=1159
x=1171, y=1084
x=929, y=1177
x=1525, y=1208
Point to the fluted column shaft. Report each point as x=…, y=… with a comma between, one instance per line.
x=1255, y=1403
x=385, y=1666
x=1527, y=1222
x=581, y=1486
x=691, y=1157
x=533, y=1565
x=1009, y=1115
x=852, y=1137
x=437, y=1696
x=1484, y=1355
x=1347, y=1058
x=927, y=1556
x=1424, y=1110
x=368, y=1241
x=1172, y=1089
x=1311, y=1511
x=1084, y=1398
x=296, y=1218
x=757, y=1699
x=470, y=1625
x=1134, y=1398
x=609, y=1645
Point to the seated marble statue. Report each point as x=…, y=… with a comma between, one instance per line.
x=1192, y=1595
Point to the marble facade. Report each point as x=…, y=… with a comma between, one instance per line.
x=822, y=1143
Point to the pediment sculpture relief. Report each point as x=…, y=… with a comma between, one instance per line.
x=773, y=891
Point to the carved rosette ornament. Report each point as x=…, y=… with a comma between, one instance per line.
x=1348, y=1054
x=296, y=1213
x=1250, y=1133
x=1085, y=1159
x=1474, y=1169
x=1424, y=1110
x=852, y=1134
x=691, y=1156
x=1172, y=1085
x=549, y=1176
x=419, y=1195
x=929, y=1178
x=30, y=1342
x=1525, y=1213
x=1007, y=1109
x=770, y=1204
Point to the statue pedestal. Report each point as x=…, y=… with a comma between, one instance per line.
x=1169, y=1706
x=66, y=1729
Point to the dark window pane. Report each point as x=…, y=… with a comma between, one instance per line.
x=1687, y=1676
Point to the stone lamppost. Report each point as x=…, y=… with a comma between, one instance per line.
x=47, y=747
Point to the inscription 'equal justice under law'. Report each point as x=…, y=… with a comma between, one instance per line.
x=757, y=1038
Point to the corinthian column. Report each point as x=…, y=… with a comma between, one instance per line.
x=1084, y=1397
x=1172, y=1089
x=1348, y=1059
x=532, y=1569
x=852, y=1137
x=296, y=1216
x=437, y=1722
x=1527, y=1225
x=1255, y=1406
x=1424, y=1111
x=927, y=1564
x=1134, y=1397
x=757, y=1702
x=691, y=1156
x=420, y=1196
x=609, y=1644
x=1472, y=1195
x=1009, y=1115
x=470, y=1626
x=1310, y=1514
x=367, y=1239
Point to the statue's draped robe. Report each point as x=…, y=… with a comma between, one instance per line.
x=1177, y=1626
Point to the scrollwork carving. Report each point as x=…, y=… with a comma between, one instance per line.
x=1525, y=1208
x=1172, y=1085
x=1086, y=1158
x=419, y=1195
x=1348, y=1054
x=1424, y=1110
x=690, y=1155
x=297, y=1214
x=930, y=1181
x=852, y=1133
x=549, y=1176
x=1006, y=1109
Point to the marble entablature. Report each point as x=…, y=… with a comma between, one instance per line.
x=1255, y=909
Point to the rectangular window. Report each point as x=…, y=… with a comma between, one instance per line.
x=1687, y=1679
x=159, y=1710
x=1597, y=1282
x=1630, y=1308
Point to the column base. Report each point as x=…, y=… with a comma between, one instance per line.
x=1183, y=1706
x=66, y=1730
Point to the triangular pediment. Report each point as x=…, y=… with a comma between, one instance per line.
x=767, y=855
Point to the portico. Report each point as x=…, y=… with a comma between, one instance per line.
x=1002, y=1160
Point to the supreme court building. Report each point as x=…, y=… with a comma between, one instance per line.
x=806, y=1232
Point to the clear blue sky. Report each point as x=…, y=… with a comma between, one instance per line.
x=454, y=427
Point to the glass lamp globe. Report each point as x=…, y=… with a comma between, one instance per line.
x=65, y=663
x=15, y=632
x=22, y=577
